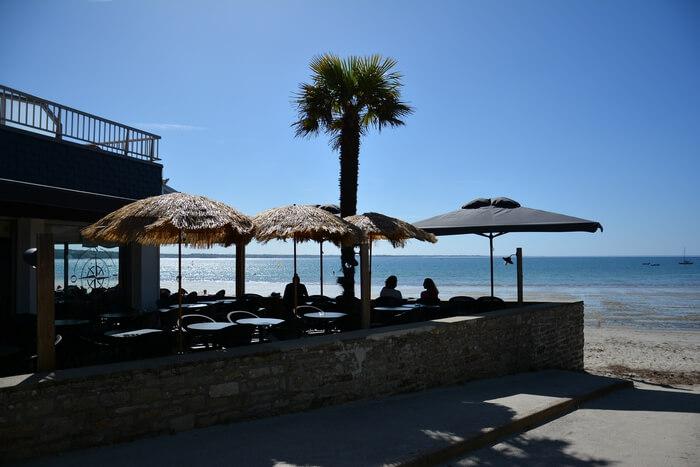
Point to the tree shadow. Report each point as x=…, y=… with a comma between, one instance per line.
x=529, y=451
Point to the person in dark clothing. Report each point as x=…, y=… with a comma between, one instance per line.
x=301, y=293
x=430, y=294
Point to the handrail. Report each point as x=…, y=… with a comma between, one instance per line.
x=23, y=110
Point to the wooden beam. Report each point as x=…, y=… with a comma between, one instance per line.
x=365, y=286
x=240, y=269
x=519, y=260
x=46, y=334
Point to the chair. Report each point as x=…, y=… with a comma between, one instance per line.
x=194, y=341
x=190, y=298
x=232, y=316
x=489, y=303
x=193, y=318
x=461, y=304
x=240, y=334
x=220, y=294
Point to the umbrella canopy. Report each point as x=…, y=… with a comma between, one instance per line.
x=494, y=217
x=380, y=227
x=503, y=215
x=172, y=218
x=302, y=223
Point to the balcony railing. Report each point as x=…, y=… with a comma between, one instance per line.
x=21, y=110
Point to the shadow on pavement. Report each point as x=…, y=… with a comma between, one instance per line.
x=520, y=451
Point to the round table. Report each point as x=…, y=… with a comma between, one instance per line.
x=134, y=333
x=209, y=327
x=260, y=321
x=325, y=315
x=71, y=322
x=395, y=309
x=191, y=306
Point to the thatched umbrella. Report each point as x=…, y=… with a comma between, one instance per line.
x=377, y=226
x=173, y=218
x=301, y=223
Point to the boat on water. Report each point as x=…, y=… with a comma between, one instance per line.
x=685, y=261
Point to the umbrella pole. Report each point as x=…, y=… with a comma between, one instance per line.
x=320, y=249
x=179, y=290
x=491, y=254
x=295, y=273
x=369, y=273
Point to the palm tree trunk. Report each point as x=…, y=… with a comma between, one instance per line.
x=349, y=169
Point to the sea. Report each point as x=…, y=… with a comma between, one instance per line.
x=641, y=292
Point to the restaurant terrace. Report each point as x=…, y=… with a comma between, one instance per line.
x=109, y=344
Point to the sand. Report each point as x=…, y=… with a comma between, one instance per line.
x=664, y=357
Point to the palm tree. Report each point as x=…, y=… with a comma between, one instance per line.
x=345, y=98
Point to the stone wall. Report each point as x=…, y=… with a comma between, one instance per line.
x=43, y=414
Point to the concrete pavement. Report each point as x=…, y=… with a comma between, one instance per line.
x=641, y=426
x=407, y=428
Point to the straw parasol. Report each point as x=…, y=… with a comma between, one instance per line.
x=173, y=218
x=377, y=226
x=301, y=223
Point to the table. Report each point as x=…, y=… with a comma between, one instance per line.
x=191, y=306
x=260, y=321
x=325, y=315
x=395, y=309
x=71, y=322
x=209, y=327
x=133, y=333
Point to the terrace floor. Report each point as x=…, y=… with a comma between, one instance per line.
x=625, y=425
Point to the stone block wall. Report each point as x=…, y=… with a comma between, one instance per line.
x=43, y=414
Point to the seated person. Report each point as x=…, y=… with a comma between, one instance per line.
x=430, y=294
x=389, y=289
x=302, y=294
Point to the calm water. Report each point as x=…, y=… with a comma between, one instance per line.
x=616, y=291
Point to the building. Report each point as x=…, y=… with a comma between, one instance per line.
x=61, y=169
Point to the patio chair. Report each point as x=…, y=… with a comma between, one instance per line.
x=232, y=316
x=489, y=303
x=240, y=334
x=461, y=304
x=193, y=340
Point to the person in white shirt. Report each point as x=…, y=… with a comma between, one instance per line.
x=389, y=289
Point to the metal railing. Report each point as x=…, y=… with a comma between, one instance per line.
x=21, y=110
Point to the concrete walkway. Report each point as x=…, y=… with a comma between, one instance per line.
x=641, y=426
x=412, y=428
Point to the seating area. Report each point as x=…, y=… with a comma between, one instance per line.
x=88, y=335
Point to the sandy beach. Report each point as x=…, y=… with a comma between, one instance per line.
x=659, y=357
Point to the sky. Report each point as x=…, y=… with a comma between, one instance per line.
x=588, y=108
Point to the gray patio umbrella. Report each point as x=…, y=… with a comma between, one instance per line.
x=492, y=218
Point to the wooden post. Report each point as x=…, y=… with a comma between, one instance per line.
x=66, y=257
x=240, y=269
x=365, y=286
x=519, y=260
x=45, y=331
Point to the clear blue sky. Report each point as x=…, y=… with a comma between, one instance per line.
x=590, y=108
